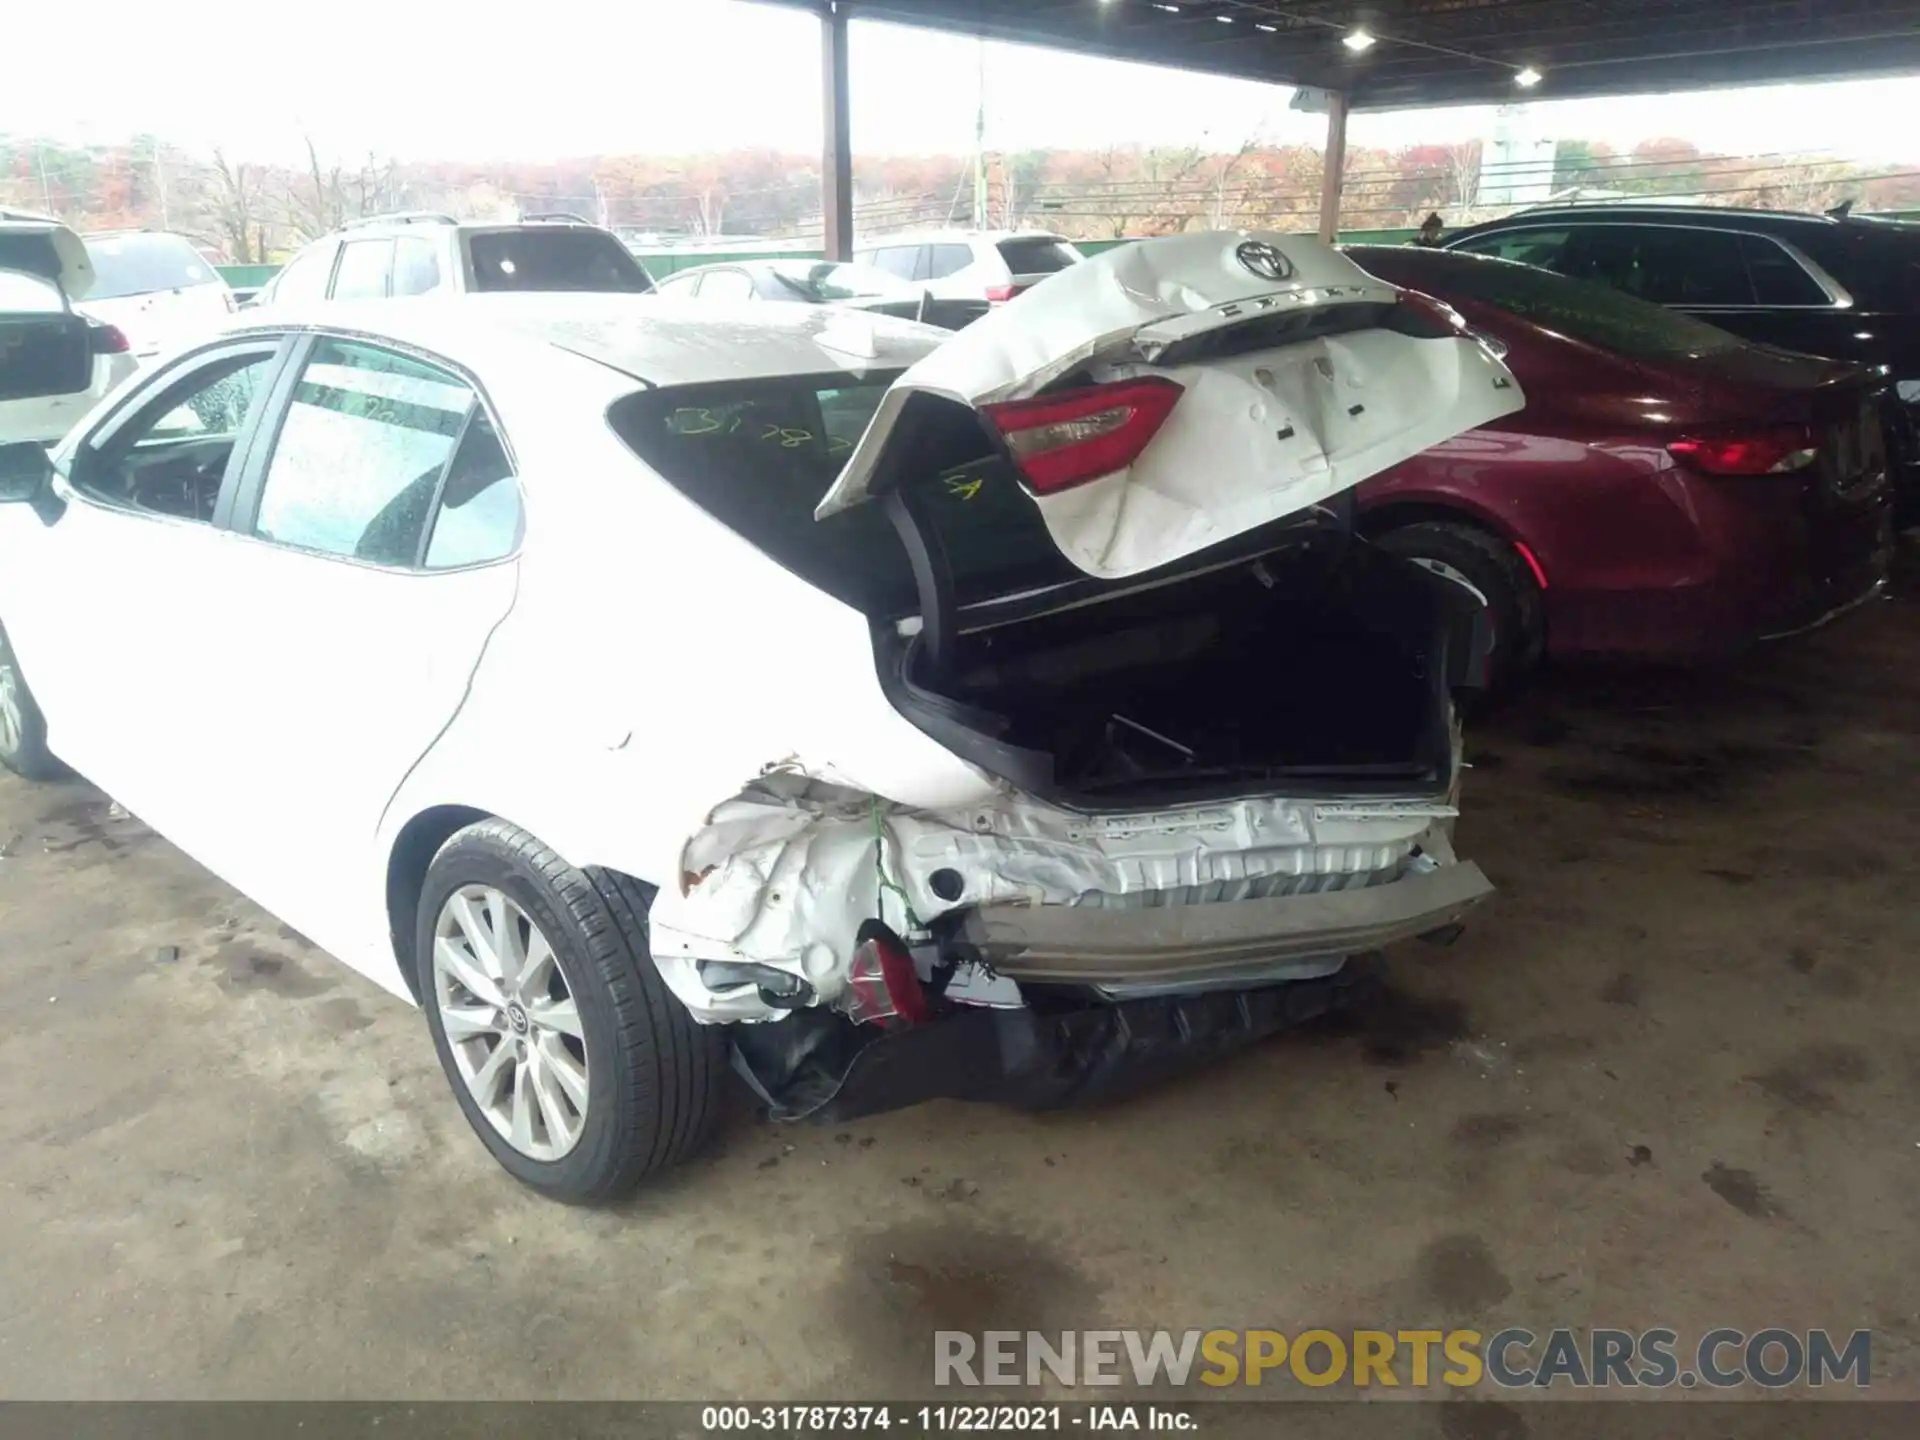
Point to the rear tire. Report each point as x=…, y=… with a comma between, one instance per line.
x=1491, y=566
x=23, y=729
x=652, y=1076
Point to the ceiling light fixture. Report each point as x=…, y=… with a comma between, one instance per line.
x=1527, y=78
x=1359, y=40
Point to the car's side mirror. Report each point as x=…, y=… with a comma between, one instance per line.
x=24, y=472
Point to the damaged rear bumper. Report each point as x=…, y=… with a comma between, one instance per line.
x=1197, y=945
x=1034, y=1059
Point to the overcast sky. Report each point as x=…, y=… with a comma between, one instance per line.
x=436, y=80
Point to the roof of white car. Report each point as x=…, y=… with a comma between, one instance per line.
x=654, y=338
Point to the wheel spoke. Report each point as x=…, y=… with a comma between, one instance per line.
x=536, y=972
x=571, y=1075
x=553, y=1107
x=520, y=1128
x=560, y=1015
x=478, y=937
x=460, y=966
x=503, y=920
x=463, y=1022
x=487, y=1079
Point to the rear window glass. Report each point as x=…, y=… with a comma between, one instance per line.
x=1038, y=256
x=554, y=259
x=144, y=265
x=1593, y=313
x=759, y=456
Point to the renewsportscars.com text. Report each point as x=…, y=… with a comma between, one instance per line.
x=1512, y=1358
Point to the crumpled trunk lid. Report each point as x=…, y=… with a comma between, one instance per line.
x=1299, y=377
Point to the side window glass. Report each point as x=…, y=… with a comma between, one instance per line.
x=365, y=267
x=416, y=265
x=359, y=457
x=1778, y=278
x=1544, y=248
x=947, y=259
x=1669, y=266
x=479, y=517
x=171, y=458
x=305, y=276
x=726, y=285
x=897, y=260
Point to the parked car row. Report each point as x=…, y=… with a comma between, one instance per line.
x=1005, y=712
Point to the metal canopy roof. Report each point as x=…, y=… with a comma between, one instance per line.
x=1438, y=52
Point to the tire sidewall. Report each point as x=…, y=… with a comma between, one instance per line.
x=1511, y=606
x=473, y=861
x=30, y=759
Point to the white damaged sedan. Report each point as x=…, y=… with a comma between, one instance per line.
x=642, y=687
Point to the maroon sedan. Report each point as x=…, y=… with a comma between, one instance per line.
x=1670, y=490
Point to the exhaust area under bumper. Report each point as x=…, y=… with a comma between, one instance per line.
x=1194, y=944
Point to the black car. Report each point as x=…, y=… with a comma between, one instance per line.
x=1838, y=285
x=821, y=282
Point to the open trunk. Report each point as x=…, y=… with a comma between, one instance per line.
x=43, y=355
x=1308, y=663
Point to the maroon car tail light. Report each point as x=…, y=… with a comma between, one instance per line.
x=1778, y=450
x=882, y=987
x=104, y=339
x=1073, y=436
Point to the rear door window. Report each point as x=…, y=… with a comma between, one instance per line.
x=900, y=260
x=1037, y=255
x=554, y=258
x=945, y=260
x=416, y=265
x=145, y=264
x=366, y=270
x=357, y=465
x=1668, y=265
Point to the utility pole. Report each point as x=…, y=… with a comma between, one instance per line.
x=46, y=190
x=980, y=145
x=160, y=182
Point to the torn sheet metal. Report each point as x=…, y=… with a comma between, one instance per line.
x=1254, y=437
x=784, y=874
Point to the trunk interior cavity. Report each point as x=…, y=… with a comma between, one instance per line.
x=1319, y=667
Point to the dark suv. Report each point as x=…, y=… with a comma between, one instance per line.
x=1835, y=285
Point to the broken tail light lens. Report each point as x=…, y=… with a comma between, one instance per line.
x=104, y=339
x=1777, y=451
x=1073, y=436
x=882, y=987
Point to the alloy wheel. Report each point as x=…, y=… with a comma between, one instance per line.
x=13, y=719
x=511, y=1021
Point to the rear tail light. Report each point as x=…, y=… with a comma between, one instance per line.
x=998, y=293
x=882, y=987
x=1073, y=436
x=107, y=339
x=1779, y=450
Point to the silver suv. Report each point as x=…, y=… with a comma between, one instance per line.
x=426, y=253
x=991, y=265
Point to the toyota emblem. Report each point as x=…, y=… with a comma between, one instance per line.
x=1263, y=260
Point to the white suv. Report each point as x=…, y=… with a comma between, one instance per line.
x=993, y=265
x=426, y=253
